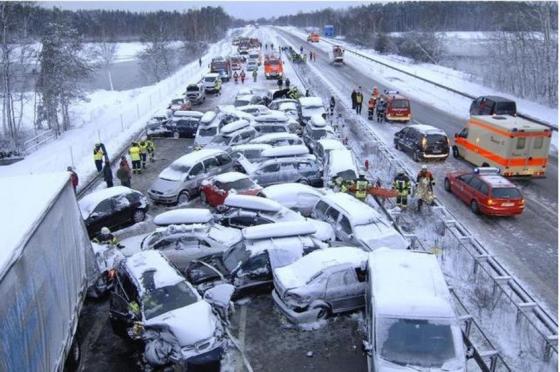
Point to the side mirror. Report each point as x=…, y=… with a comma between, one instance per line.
x=367, y=347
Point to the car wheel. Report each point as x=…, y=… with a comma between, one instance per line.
x=323, y=312
x=456, y=152
x=138, y=216
x=183, y=197
x=397, y=146
x=485, y=164
x=447, y=185
x=474, y=207
x=304, y=181
x=416, y=157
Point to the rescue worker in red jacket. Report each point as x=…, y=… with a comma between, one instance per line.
x=73, y=177
x=371, y=107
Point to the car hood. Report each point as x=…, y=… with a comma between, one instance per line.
x=189, y=324
x=203, y=140
x=378, y=235
x=165, y=186
x=309, y=112
x=386, y=366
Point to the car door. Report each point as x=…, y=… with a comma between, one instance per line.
x=331, y=216
x=194, y=178
x=288, y=172
x=473, y=190
x=460, y=186
x=254, y=274
x=343, y=229
x=411, y=140
x=268, y=174
x=121, y=210
x=120, y=312
x=343, y=289
x=211, y=167
x=225, y=162
x=101, y=216
x=216, y=194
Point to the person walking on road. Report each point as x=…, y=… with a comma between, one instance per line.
x=108, y=174
x=98, y=155
x=143, y=152
x=134, y=153
x=242, y=76
x=280, y=83
x=151, y=148
x=359, y=101
x=332, y=103
x=73, y=178
x=124, y=174
x=200, y=62
x=353, y=97
x=362, y=186
x=401, y=183
x=255, y=75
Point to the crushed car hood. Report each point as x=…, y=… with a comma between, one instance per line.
x=375, y=236
x=189, y=324
x=198, y=273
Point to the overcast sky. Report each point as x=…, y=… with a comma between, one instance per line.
x=238, y=9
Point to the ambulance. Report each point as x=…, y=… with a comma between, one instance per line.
x=516, y=146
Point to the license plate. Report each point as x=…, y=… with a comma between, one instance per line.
x=437, y=151
x=507, y=204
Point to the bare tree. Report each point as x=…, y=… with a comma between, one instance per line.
x=107, y=52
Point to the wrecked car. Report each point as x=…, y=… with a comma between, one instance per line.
x=215, y=190
x=296, y=196
x=155, y=306
x=322, y=283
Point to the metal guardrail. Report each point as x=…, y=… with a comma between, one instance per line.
x=524, y=116
x=33, y=143
x=527, y=307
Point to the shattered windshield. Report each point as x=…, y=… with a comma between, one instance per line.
x=165, y=299
x=234, y=256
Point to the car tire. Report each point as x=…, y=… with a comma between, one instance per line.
x=485, y=164
x=183, y=197
x=304, y=181
x=397, y=146
x=323, y=313
x=455, y=151
x=138, y=216
x=447, y=185
x=474, y=207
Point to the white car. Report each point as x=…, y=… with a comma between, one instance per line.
x=278, y=139
x=153, y=304
x=358, y=223
x=311, y=106
x=252, y=65
x=324, y=282
x=296, y=196
x=255, y=110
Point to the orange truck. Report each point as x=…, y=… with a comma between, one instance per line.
x=313, y=37
x=515, y=145
x=273, y=67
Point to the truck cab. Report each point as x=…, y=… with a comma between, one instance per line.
x=313, y=37
x=398, y=107
x=273, y=67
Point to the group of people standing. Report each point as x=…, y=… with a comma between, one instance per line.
x=357, y=100
x=139, y=153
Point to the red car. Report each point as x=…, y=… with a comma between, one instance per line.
x=215, y=190
x=180, y=104
x=486, y=192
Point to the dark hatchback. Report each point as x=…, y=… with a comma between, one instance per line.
x=493, y=105
x=423, y=142
x=114, y=208
x=185, y=127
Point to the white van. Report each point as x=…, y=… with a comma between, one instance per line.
x=411, y=324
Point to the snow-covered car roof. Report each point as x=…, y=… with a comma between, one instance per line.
x=208, y=117
x=152, y=261
x=252, y=107
x=269, y=137
x=221, y=234
x=279, y=230
x=183, y=216
x=272, y=117
x=341, y=160
x=229, y=177
x=234, y=126
x=300, y=272
x=284, y=191
x=329, y=144
x=21, y=214
x=427, y=129
x=496, y=181
x=245, y=91
x=408, y=284
x=244, y=97
x=311, y=101
x=251, y=146
x=284, y=151
x=317, y=121
x=358, y=212
x=212, y=75
x=90, y=201
x=194, y=157
x=184, y=113
x=251, y=202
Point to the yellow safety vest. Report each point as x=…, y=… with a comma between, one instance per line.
x=143, y=147
x=134, y=152
x=150, y=146
x=98, y=155
x=361, y=188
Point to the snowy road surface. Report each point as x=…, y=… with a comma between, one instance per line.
x=526, y=244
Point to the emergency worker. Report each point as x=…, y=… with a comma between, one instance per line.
x=134, y=152
x=401, y=184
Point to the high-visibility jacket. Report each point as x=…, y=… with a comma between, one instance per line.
x=98, y=154
x=150, y=146
x=402, y=185
x=143, y=147
x=218, y=84
x=361, y=188
x=359, y=98
x=134, y=152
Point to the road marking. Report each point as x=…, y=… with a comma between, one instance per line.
x=241, y=338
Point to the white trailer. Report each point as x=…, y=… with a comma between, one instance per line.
x=45, y=262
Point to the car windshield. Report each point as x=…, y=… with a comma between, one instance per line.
x=312, y=107
x=192, y=88
x=250, y=154
x=347, y=175
x=165, y=299
x=506, y=108
x=241, y=102
x=209, y=79
x=186, y=123
x=234, y=256
x=180, y=168
x=207, y=132
x=219, y=140
x=273, y=63
x=506, y=193
x=242, y=184
x=317, y=134
x=436, y=139
x=417, y=342
x=272, y=129
x=399, y=104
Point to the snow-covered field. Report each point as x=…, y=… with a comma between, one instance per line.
x=442, y=99
x=113, y=118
